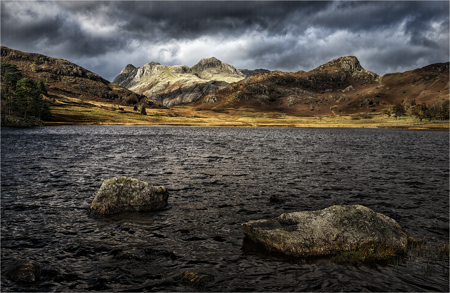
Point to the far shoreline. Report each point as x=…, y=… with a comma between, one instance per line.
x=413, y=126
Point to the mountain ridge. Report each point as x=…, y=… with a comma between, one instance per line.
x=341, y=86
x=69, y=79
x=178, y=84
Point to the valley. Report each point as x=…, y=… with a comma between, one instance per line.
x=70, y=111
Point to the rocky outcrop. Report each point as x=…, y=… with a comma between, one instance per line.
x=22, y=270
x=178, y=84
x=340, y=72
x=209, y=68
x=248, y=72
x=347, y=89
x=332, y=230
x=124, y=74
x=125, y=194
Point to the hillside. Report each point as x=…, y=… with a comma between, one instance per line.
x=178, y=84
x=66, y=79
x=339, y=87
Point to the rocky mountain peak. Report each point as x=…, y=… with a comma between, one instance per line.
x=212, y=62
x=128, y=69
x=152, y=64
x=206, y=68
x=346, y=63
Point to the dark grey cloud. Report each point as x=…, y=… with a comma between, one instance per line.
x=104, y=36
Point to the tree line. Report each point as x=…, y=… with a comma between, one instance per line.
x=21, y=96
x=437, y=110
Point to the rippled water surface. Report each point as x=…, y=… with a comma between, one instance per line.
x=217, y=178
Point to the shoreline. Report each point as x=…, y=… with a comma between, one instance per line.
x=416, y=126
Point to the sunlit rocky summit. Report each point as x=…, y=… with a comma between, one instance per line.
x=178, y=84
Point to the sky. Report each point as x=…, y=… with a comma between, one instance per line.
x=105, y=36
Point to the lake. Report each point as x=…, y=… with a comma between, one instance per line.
x=217, y=179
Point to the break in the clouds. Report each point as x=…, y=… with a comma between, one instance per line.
x=386, y=36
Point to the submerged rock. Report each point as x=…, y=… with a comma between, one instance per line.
x=276, y=198
x=194, y=279
x=125, y=194
x=332, y=230
x=22, y=271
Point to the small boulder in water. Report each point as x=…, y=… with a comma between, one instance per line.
x=194, y=279
x=22, y=271
x=329, y=231
x=276, y=198
x=125, y=194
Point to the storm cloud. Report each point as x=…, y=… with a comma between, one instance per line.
x=387, y=36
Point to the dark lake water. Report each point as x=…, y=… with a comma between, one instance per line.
x=217, y=179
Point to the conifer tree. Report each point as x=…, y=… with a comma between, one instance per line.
x=29, y=99
x=143, y=111
x=10, y=75
x=42, y=86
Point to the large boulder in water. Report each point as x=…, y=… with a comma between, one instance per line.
x=125, y=194
x=332, y=230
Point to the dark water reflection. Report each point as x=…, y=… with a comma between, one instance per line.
x=218, y=178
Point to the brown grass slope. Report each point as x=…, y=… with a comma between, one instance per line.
x=64, y=78
x=339, y=87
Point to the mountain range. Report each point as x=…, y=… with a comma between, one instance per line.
x=178, y=84
x=339, y=87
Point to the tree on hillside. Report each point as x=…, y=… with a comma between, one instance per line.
x=408, y=107
x=27, y=98
x=399, y=110
x=143, y=111
x=29, y=101
x=445, y=111
x=420, y=111
x=42, y=86
x=10, y=75
x=438, y=110
x=388, y=111
x=433, y=111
